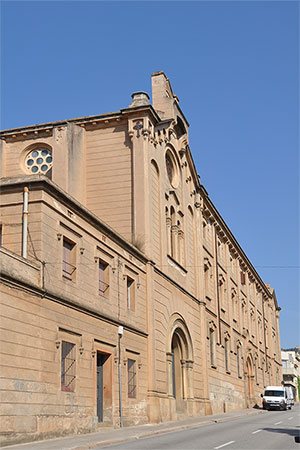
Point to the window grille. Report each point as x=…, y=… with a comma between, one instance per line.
x=68, y=366
x=131, y=368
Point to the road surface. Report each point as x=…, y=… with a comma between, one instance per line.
x=271, y=430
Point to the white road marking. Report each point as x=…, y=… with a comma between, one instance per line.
x=290, y=418
x=257, y=431
x=223, y=445
x=277, y=423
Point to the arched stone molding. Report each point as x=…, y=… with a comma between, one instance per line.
x=177, y=179
x=180, y=359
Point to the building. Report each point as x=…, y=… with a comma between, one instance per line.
x=104, y=224
x=291, y=369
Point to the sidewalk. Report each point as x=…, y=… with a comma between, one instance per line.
x=119, y=435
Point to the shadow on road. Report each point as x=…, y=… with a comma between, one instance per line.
x=290, y=431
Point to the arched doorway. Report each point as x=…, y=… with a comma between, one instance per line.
x=180, y=364
x=249, y=373
x=177, y=367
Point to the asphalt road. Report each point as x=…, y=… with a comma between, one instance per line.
x=272, y=430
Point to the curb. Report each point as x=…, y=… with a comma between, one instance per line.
x=162, y=431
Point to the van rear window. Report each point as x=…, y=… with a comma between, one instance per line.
x=274, y=393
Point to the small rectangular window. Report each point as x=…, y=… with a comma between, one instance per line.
x=130, y=294
x=131, y=371
x=69, y=259
x=68, y=366
x=103, y=278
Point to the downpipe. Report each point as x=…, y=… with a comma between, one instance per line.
x=120, y=334
x=25, y=222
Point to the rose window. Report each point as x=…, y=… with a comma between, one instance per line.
x=39, y=160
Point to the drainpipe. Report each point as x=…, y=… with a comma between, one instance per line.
x=120, y=334
x=25, y=222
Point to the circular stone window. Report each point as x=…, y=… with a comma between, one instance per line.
x=39, y=161
x=171, y=168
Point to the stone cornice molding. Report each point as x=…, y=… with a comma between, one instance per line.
x=211, y=213
x=31, y=130
x=41, y=182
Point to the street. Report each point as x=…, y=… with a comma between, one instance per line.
x=272, y=430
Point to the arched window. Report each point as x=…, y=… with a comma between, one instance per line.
x=226, y=352
x=212, y=344
x=238, y=359
x=207, y=278
x=155, y=212
x=234, y=304
x=172, y=168
x=255, y=370
x=173, y=232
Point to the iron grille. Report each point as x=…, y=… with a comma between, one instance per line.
x=131, y=379
x=68, y=365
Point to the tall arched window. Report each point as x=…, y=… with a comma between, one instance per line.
x=238, y=360
x=155, y=212
x=226, y=352
x=212, y=343
x=173, y=232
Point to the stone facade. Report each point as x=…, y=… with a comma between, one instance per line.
x=104, y=224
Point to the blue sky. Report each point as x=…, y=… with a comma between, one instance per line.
x=235, y=68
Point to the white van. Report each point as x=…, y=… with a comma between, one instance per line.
x=276, y=397
x=290, y=394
